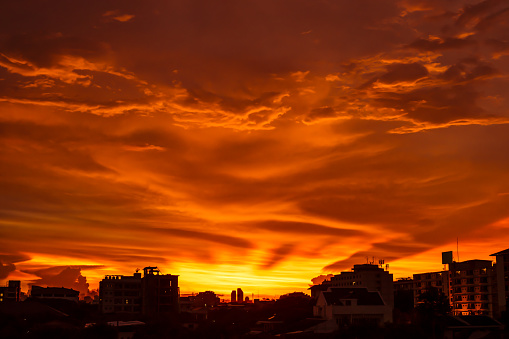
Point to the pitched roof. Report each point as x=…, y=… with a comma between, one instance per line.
x=501, y=252
x=334, y=296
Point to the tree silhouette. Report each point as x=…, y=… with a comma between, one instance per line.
x=433, y=302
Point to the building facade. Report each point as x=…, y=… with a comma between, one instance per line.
x=473, y=289
x=160, y=292
x=470, y=287
x=39, y=292
x=11, y=292
x=369, y=276
x=151, y=294
x=502, y=273
x=120, y=294
x=423, y=282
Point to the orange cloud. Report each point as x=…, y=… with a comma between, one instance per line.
x=257, y=145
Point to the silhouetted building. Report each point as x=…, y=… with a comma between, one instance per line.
x=120, y=294
x=348, y=306
x=39, y=292
x=153, y=294
x=233, y=296
x=404, y=284
x=240, y=295
x=470, y=287
x=160, y=292
x=369, y=276
x=502, y=273
x=316, y=289
x=473, y=288
x=423, y=282
x=11, y=292
x=403, y=299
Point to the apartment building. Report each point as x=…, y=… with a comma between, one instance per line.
x=151, y=294
x=502, y=273
x=473, y=288
x=423, y=282
x=470, y=287
x=120, y=294
x=39, y=292
x=369, y=276
x=10, y=292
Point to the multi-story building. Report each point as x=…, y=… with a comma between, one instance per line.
x=502, y=273
x=11, y=292
x=369, y=276
x=423, y=282
x=473, y=287
x=39, y=292
x=233, y=298
x=404, y=284
x=152, y=294
x=160, y=292
x=468, y=285
x=120, y=294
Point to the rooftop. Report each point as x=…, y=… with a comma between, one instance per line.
x=501, y=252
x=335, y=296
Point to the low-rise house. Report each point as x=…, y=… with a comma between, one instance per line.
x=352, y=306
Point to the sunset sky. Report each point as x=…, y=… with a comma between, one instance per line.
x=255, y=143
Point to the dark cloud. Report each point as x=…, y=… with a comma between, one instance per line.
x=48, y=50
x=321, y=278
x=277, y=255
x=5, y=269
x=498, y=18
x=389, y=251
x=8, y=261
x=305, y=228
x=438, y=104
x=439, y=44
x=403, y=72
x=198, y=235
x=476, y=10
x=58, y=276
x=320, y=113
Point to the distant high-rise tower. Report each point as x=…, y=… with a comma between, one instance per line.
x=234, y=296
x=240, y=295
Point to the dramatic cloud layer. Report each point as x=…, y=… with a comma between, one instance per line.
x=253, y=144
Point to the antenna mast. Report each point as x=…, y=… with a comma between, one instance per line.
x=458, y=248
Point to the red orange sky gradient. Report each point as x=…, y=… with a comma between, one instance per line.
x=254, y=144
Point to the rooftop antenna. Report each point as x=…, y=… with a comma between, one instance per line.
x=458, y=248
